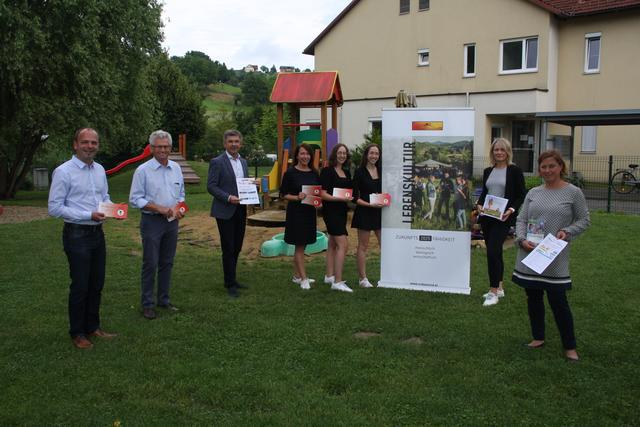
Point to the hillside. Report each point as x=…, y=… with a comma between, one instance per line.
x=218, y=98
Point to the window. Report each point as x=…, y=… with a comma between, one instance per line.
x=375, y=125
x=589, y=139
x=592, y=53
x=519, y=55
x=469, y=60
x=405, y=6
x=423, y=57
x=423, y=5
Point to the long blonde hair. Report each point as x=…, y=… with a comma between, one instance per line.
x=507, y=147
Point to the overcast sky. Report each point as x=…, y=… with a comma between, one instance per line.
x=262, y=32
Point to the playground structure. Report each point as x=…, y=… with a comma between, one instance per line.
x=190, y=177
x=319, y=89
x=299, y=90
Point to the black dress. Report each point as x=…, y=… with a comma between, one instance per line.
x=335, y=213
x=366, y=218
x=300, y=224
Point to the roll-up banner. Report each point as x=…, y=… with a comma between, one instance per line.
x=427, y=165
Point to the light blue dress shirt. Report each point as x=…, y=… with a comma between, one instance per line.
x=157, y=184
x=76, y=190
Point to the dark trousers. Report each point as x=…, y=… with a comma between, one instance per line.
x=231, y=237
x=561, y=312
x=443, y=200
x=86, y=252
x=159, y=242
x=494, y=232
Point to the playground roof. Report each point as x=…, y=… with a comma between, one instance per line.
x=307, y=88
x=561, y=8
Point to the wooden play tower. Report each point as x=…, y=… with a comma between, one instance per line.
x=319, y=89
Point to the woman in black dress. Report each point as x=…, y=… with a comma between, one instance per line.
x=334, y=213
x=505, y=180
x=367, y=217
x=300, y=224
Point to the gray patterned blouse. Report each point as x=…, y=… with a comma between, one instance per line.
x=554, y=209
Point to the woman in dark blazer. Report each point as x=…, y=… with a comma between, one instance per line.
x=505, y=180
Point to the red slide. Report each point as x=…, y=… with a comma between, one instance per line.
x=146, y=153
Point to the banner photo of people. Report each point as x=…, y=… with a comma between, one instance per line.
x=427, y=165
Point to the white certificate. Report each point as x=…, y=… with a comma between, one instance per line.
x=247, y=191
x=542, y=255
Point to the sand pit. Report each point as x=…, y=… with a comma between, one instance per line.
x=199, y=229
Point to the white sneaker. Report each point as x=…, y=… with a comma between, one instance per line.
x=298, y=280
x=364, y=283
x=341, y=286
x=329, y=279
x=304, y=284
x=490, y=299
x=500, y=293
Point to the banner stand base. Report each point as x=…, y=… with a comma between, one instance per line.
x=409, y=287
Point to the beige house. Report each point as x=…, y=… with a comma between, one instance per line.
x=511, y=60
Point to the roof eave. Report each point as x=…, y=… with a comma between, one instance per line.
x=310, y=50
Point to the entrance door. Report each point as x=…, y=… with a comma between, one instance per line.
x=523, y=144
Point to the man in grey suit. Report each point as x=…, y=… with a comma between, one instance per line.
x=230, y=215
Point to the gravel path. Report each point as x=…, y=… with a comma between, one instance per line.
x=16, y=214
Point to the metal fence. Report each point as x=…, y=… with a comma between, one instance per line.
x=594, y=175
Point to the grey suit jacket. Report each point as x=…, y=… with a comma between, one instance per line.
x=221, y=183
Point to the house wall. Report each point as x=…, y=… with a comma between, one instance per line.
x=375, y=49
x=616, y=86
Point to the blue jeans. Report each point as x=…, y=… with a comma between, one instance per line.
x=86, y=252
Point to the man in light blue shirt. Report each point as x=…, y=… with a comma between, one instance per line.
x=77, y=188
x=157, y=187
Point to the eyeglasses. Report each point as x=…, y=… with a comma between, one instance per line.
x=162, y=147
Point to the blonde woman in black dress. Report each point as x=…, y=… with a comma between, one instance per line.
x=334, y=213
x=367, y=217
x=300, y=223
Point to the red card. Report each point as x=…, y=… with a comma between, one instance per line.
x=311, y=190
x=114, y=210
x=182, y=208
x=343, y=193
x=314, y=201
x=382, y=198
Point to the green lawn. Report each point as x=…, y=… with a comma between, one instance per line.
x=281, y=356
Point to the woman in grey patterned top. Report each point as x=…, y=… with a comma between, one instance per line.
x=560, y=209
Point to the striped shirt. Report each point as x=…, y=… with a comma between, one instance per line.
x=556, y=209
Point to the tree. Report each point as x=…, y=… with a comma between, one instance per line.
x=198, y=67
x=66, y=64
x=273, y=69
x=255, y=89
x=266, y=130
x=179, y=104
x=264, y=69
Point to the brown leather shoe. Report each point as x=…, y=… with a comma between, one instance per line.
x=102, y=334
x=149, y=313
x=82, y=342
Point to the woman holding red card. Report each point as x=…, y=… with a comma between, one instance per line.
x=367, y=217
x=334, y=179
x=300, y=223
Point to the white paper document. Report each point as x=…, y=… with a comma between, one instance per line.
x=247, y=191
x=542, y=255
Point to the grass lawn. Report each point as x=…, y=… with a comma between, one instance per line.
x=282, y=356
